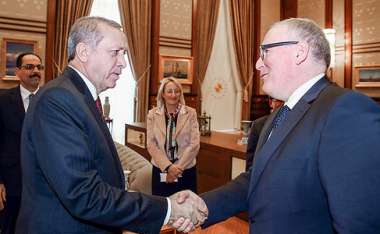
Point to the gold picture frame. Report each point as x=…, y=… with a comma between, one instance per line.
x=178, y=67
x=10, y=49
x=367, y=76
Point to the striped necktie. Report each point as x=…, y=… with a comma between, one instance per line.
x=280, y=117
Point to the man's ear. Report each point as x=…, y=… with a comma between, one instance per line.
x=303, y=50
x=82, y=51
x=17, y=71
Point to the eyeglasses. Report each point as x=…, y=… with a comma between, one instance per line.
x=31, y=67
x=265, y=47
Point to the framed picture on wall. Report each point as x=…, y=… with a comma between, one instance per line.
x=367, y=76
x=11, y=48
x=180, y=68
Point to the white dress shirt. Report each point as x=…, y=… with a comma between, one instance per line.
x=25, y=96
x=300, y=91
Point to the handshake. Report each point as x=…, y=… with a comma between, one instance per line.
x=188, y=211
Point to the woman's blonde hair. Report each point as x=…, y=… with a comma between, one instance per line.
x=164, y=82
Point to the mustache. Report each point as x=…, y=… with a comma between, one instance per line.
x=35, y=75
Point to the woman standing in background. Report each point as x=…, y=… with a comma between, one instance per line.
x=172, y=141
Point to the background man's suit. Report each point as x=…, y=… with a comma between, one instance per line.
x=12, y=114
x=253, y=139
x=317, y=173
x=72, y=177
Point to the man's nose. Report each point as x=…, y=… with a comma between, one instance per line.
x=121, y=61
x=259, y=63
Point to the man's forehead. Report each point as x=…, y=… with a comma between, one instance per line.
x=276, y=34
x=30, y=58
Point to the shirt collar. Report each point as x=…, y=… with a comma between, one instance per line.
x=300, y=91
x=25, y=93
x=88, y=83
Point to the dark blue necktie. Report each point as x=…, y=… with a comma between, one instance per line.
x=281, y=115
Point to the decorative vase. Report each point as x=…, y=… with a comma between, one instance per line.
x=106, y=108
x=245, y=126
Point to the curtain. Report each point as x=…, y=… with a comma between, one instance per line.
x=207, y=18
x=67, y=11
x=136, y=20
x=242, y=27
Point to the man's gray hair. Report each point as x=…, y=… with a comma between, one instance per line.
x=308, y=30
x=85, y=29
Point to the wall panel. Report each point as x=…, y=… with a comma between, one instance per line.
x=365, y=39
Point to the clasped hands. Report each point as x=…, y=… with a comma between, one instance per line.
x=188, y=211
x=174, y=172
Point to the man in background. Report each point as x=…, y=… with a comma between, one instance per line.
x=253, y=139
x=316, y=169
x=73, y=181
x=14, y=103
x=255, y=130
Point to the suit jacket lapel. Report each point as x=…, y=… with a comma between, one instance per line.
x=264, y=154
x=183, y=115
x=18, y=103
x=82, y=88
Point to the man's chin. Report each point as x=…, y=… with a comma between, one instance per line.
x=112, y=85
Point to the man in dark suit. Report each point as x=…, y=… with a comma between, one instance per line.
x=13, y=104
x=316, y=168
x=72, y=177
x=255, y=130
x=253, y=139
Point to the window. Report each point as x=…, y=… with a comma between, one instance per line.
x=122, y=96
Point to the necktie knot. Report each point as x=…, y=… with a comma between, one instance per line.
x=280, y=117
x=31, y=96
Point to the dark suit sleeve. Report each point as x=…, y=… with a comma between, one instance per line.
x=350, y=164
x=66, y=155
x=227, y=200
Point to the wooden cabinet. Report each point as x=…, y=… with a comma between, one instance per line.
x=214, y=162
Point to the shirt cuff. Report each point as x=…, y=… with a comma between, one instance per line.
x=166, y=221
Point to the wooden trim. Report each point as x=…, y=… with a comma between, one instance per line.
x=172, y=45
x=348, y=45
x=50, y=39
x=175, y=39
x=24, y=23
x=175, y=42
x=328, y=14
x=22, y=19
x=155, y=32
x=10, y=27
x=368, y=44
x=257, y=33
